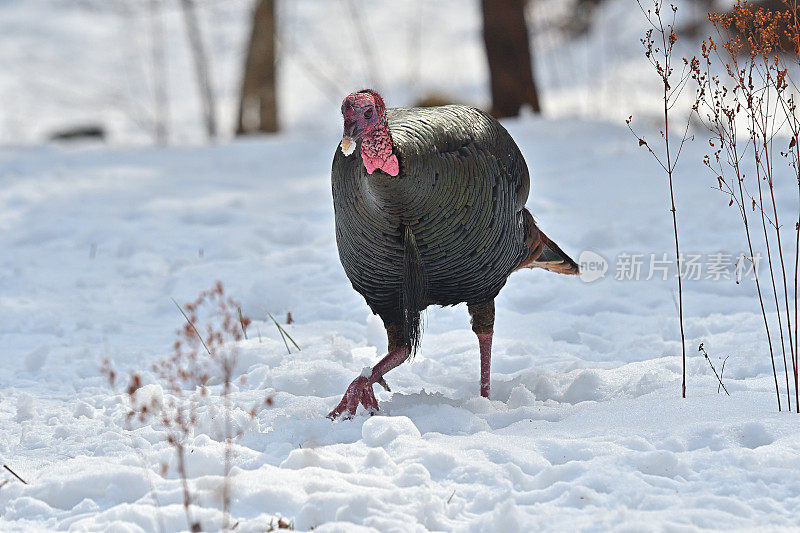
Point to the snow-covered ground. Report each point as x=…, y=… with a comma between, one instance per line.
x=586, y=429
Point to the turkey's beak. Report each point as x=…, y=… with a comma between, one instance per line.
x=351, y=135
x=350, y=127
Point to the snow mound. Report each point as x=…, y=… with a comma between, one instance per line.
x=380, y=431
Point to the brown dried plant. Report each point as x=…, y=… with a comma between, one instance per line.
x=745, y=98
x=198, y=359
x=658, y=43
x=702, y=349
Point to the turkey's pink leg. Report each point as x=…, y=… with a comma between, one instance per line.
x=360, y=390
x=482, y=319
x=485, y=343
x=392, y=360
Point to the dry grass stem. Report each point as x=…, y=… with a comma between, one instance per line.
x=15, y=474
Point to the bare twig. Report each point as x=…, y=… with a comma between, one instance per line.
x=283, y=337
x=191, y=324
x=722, y=372
x=660, y=57
x=15, y=474
x=719, y=379
x=282, y=331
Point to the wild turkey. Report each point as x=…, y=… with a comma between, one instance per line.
x=432, y=213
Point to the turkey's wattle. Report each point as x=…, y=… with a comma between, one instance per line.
x=432, y=213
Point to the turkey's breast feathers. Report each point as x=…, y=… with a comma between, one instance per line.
x=461, y=188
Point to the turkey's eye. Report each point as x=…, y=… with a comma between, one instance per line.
x=368, y=113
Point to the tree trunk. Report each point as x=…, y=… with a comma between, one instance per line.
x=505, y=36
x=258, y=107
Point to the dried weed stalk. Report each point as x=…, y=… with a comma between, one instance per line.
x=702, y=349
x=745, y=98
x=658, y=42
x=205, y=352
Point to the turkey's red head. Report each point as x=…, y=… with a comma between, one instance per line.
x=362, y=111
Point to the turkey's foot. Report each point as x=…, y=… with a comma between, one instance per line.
x=359, y=392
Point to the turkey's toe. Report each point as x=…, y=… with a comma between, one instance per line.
x=359, y=392
x=382, y=383
x=368, y=400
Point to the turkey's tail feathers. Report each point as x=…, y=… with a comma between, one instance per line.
x=413, y=292
x=544, y=253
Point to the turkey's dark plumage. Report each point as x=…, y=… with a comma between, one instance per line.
x=430, y=210
x=459, y=197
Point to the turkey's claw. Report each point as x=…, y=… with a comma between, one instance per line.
x=359, y=392
x=382, y=383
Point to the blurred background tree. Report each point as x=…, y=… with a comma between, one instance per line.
x=258, y=102
x=125, y=71
x=505, y=36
